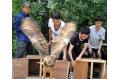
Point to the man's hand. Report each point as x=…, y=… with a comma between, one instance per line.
x=72, y=62
x=78, y=58
x=90, y=50
x=64, y=58
x=99, y=53
x=49, y=43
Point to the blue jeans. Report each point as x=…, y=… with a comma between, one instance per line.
x=23, y=48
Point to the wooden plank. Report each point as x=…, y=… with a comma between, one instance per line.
x=102, y=73
x=33, y=67
x=105, y=75
x=33, y=56
x=61, y=70
x=80, y=70
x=20, y=68
x=91, y=71
x=32, y=78
x=36, y=78
x=40, y=70
x=92, y=60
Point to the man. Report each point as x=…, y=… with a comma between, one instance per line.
x=78, y=44
x=55, y=25
x=97, y=35
x=23, y=43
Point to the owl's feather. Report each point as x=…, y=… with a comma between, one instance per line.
x=32, y=30
x=63, y=39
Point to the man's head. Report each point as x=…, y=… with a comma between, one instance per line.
x=98, y=21
x=84, y=33
x=56, y=17
x=26, y=7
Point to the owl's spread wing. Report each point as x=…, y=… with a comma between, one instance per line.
x=32, y=30
x=63, y=39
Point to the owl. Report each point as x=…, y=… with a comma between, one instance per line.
x=31, y=28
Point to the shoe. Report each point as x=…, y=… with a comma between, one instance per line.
x=70, y=76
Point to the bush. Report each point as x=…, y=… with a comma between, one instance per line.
x=79, y=10
x=16, y=7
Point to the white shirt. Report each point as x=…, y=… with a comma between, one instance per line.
x=54, y=32
x=96, y=36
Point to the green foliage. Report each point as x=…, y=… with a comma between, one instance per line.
x=14, y=47
x=16, y=7
x=39, y=13
x=79, y=10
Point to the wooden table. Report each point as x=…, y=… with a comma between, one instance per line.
x=81, y=68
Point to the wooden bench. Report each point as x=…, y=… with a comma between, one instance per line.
x=60, y=71
x=81, y=68
x=23, y=68
x=20, y=68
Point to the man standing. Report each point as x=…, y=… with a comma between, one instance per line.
x=23, y=43
x=97, y=35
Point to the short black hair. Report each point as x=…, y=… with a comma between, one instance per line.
x=98, y=18
x=85, y=30
x=56, y=15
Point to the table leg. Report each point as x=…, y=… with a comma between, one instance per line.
x=102, y=73
x=91, y=71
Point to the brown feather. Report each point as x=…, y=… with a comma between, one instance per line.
x=32, y=30
x=64, y=38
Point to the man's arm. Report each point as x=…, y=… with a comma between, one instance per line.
x=50, y=34
x=70, y=51
x=17, y=23
x=89, y=48
x=100, y=43
x=64, y=53
x=100, y=46
x=82, y=52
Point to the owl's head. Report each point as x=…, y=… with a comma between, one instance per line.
x=49, y=60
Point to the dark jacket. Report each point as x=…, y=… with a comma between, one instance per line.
x=17, y=26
